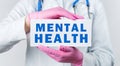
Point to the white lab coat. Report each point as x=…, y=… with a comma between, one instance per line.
x=12, y=31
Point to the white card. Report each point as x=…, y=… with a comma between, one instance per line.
x=60, y=32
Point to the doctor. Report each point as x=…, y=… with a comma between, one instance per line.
x=16, y=27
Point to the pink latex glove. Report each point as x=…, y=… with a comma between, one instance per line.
x=53, y=13
x=65, y=54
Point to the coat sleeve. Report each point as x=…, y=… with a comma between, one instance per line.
x=100, y=53
x=12, y=28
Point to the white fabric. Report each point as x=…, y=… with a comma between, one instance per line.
x=12, y=31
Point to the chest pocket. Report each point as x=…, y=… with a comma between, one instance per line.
x=82, y=10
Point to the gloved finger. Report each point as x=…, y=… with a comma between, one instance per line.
x=66, y=48
x=61, y=57
x=52, y=56
x=67, y=14
x=34, y=15
x=71, y=15
x=48, y=50
x=57, y=58
x=42, y=48
x=56, y=54
x=78, y=17
x=64, y=13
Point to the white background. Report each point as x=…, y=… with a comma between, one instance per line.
x=16, y=56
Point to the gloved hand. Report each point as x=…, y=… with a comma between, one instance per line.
x=53, y=13
x=65, y=54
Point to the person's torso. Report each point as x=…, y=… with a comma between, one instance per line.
x=35, y=57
